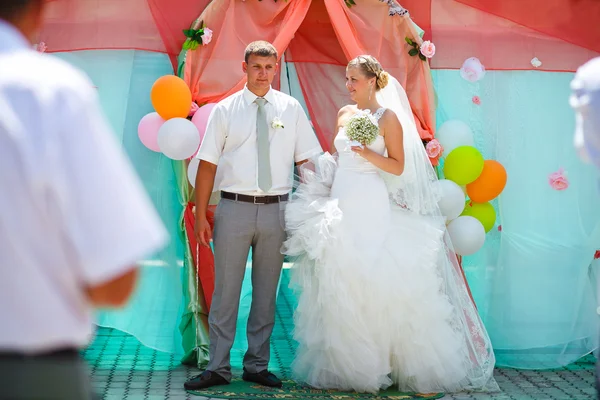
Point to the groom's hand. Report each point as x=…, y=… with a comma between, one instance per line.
x=202, y=230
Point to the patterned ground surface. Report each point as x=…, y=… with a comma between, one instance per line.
x=123, y=369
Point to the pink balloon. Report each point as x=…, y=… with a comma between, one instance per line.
x=148, y=130
x=200, y=118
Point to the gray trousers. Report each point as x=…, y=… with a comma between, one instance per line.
x=238, y=227
x=57, y=376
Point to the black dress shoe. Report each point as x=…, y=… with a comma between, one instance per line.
x=205, y=380
x=264, y=378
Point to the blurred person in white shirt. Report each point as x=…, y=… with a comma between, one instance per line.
x=74, y=217
x=585, y=100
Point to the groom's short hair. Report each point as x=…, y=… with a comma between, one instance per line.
x=260, y=48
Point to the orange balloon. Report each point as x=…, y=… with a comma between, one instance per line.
x=171, y=97
x=489, y=184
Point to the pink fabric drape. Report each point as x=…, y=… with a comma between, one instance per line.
x=369, y=29
x=573, y=21
x=550, y=30
x=215, y=71
x=320, y=64
x=151, y=25
x=322, y=37
x=504, y=35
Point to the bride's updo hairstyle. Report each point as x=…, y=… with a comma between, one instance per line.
x=371, y=68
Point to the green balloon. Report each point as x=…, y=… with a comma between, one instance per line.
x=484, y=212
x=463, y=165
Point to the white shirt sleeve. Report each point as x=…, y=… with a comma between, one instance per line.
x=307, y=144
x=214, y=137
x=111, y=223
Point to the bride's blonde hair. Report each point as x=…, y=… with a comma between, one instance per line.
x=371, y=68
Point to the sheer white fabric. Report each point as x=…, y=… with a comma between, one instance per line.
x=381, y=298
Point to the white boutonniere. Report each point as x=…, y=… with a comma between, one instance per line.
x=276, y=123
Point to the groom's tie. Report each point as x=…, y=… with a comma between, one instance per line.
x=262, y=137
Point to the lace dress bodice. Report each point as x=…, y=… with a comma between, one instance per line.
x=348, y=159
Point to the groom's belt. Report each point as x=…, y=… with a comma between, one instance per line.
x=255, y=199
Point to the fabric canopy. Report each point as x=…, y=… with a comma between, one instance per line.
x=343, y=33
x=503, y=34
x=151, y=25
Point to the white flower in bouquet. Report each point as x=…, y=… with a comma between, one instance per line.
x=362, y=128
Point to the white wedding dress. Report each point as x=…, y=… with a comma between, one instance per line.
x=377, y=303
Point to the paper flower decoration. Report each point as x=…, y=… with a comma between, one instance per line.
x=558, y=180
x=425, y=50
x=434, y=151
x=195, y=37
x=41, y=47
x=536, y=62
x=194, y=107
x=472, y=70
x=476, y=100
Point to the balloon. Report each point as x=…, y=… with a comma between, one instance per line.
x=193, y=170
x=178, y=139
x=453, y=134
x=452, y=200
x=463, y=165
x=467, y=235
x=171, y=97
x=490, y=183
x=484, y=212
x=200, y=118
x=148, y=130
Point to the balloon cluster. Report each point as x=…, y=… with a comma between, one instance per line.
x=169, y=129
x=467, y=174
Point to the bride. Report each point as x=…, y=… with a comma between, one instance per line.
x=382, y=300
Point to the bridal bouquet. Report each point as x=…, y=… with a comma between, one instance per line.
x=362, y=128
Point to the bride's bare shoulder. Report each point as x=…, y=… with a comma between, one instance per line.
x=347, y=109
x=345, y=113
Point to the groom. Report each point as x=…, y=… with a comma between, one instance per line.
x=252, y=140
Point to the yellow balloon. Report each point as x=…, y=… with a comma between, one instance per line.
x=463, y=165
x=484, y=212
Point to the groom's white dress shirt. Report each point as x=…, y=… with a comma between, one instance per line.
x=230, y=142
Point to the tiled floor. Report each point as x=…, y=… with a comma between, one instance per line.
x=124, y=369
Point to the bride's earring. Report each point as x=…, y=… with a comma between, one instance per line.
x=370, y=90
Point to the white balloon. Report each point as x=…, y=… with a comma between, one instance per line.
x=453, y=134
x=178, y=138
x=452, y=199
x=193, y=170
x=467, y=235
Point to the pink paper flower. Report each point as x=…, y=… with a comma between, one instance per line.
x=434, y=148
x=41, y=47
x=558, y=180
x=427, y=49
x=476, y=100
x=207, y=36
x=434, y=151
x=472, y=70
x=499, y=228
x=597, y=255
x=194, y=107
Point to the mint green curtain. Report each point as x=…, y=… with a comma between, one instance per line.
x=533, y=281
x=124, y=79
